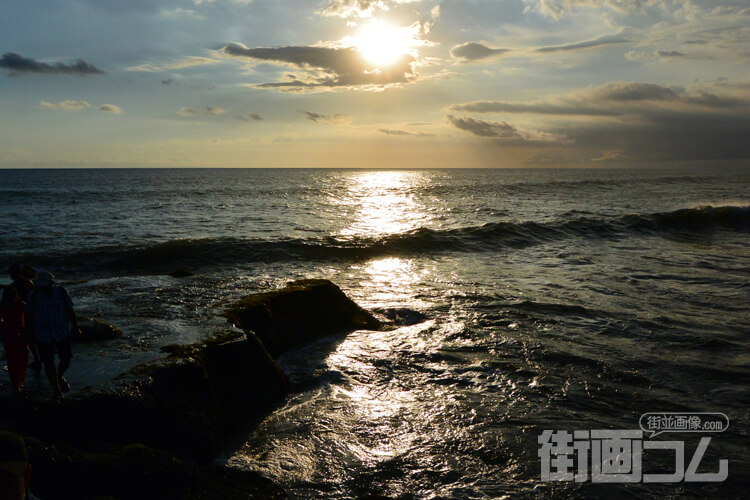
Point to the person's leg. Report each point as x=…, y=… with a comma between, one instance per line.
x=8, y=348
x=36, y=364
x=15, y=353
x=47, y=357
x=18, y=358
x=65, y=353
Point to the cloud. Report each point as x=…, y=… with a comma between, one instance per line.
x=363, y=8
x=168, y=81
x=388, y=131
x=250, y=117
x=336, y=119
x=65, y=105
x=473, y=51
x=586, y=44
x=611, y=99
x=542, y=107
x=328, y=67
x=613, y=155
x=557, y=9
x=188, y=62
x=110, y=108
x=353, y=8
x=19, y=64
x=630, y=121
x=505, y=132
x=185, y=111
x=655, y=55
x=208, y=110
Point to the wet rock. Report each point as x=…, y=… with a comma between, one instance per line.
x=298, y=313
x=402, y=316
x=93, y=329
x=137, y=472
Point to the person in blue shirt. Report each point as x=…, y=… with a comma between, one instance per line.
x=51, y=322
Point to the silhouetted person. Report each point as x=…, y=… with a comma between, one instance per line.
x=14, y=338
x=15, y=470
x=52, y=320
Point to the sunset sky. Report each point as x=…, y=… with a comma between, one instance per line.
x=374, y=83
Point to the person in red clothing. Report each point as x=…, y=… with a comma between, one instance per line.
x=13, y=327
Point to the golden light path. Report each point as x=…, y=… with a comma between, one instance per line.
x=385, y=204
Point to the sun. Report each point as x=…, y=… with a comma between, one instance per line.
x=382, y=44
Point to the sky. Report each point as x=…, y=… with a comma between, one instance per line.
x=374, y=83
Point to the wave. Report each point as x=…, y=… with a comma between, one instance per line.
x=688, y=223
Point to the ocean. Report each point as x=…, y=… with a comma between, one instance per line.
x=527, y=300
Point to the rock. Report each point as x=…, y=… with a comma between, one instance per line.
x=298, y=313
x=93, y=329
x=181, y=273
x=137, y=472
x=189, y=403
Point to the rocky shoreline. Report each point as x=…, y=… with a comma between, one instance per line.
x=154, y=432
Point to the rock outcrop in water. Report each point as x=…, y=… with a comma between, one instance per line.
x=94, y=329
x=298, y=313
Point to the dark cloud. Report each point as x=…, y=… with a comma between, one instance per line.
x=388, y=131
x=168, y=81
x=474, y=51
x=335, y=119
x=634, y=92
x=655, y=55
x=500, y=130
x=19, y=64
x=250, y=117
x=632, y=122
x=587, y=44
x=110, y=108
x=611, y=99
x=328, y=67
x=545, y=108
x=208, y=110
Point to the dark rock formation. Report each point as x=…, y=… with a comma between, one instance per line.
x=137, y=472
x=93, y=329
x=188, y=403
x=298, y=313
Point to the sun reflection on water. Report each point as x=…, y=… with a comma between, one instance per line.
x=384, y=204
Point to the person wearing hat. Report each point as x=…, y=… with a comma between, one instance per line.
x=14, y=338
x=51, y=322
x=15, y=470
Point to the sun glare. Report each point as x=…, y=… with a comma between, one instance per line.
x=382, y=44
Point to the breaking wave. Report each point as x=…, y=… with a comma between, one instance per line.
x=690, y=223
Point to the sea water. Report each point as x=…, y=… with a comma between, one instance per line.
x=525, y=300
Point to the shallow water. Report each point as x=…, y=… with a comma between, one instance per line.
x=539, y=299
